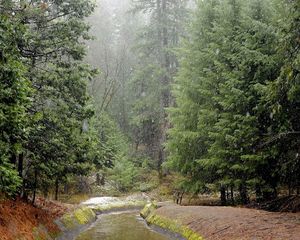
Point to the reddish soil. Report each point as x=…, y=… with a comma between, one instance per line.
x=228, y=223
x=17, y=218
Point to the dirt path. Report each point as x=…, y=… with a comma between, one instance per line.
x=227, y=223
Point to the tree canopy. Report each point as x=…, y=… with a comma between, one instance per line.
x=232, y=126
x=208, y=90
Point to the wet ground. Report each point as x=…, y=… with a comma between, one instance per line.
x=229, y=223
x=212, y=223
x=121, y=226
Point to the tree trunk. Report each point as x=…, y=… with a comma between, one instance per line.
x=227, y=193
x=137, y=144
x=258, y=193
x=56, y=189
x=232, y=195
x=223, y=195
x=34, y=186
x=275, y=193
x=166, y=58
x=159, y=163
x=181, y=197
x=243, y=194
x=13, y=159
x=20, y=165
x=290, y=188
x=66, y=188
x=45, y=193
x=23, y=195
x=98, y=180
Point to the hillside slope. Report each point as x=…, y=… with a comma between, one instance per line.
x=19, y=219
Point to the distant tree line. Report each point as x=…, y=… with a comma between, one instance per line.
x=235, y=126
x=136, y=52
x=149, y=87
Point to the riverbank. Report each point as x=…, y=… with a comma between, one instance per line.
x=81, y=218
x=226, y=223
x=21, y=220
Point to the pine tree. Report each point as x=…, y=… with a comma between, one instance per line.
x=194, y=114
x=52, y=49
x=281, y=99
x=156, y=42
x=217, y=125
x=15, y=90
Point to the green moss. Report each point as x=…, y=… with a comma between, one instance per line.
x=68, y=221
x=80, y=216
x=84, y=215
x=148, y=209
x=55, y=235
x=172, y=225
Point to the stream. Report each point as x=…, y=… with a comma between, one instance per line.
x=119, y=224
x=126, y=225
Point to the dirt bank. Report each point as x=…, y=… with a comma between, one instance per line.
x=19, y=220
x=224, y=223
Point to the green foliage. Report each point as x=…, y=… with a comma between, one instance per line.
x=108, y=143
x=228, y=95
x=110, y=152
x=9, y=180
x=150, y=85
x=145, y=108
x=42, y=50
x=234, y=118
x=124, y=174
x=281, y=99
x=14, y=98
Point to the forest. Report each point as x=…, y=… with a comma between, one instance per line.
x=134, y=92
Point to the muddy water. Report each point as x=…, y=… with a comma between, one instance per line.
x=121, y=226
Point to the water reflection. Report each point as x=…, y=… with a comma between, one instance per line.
x=121, y=226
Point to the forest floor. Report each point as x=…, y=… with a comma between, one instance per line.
x=229, y=223
x=18, y=218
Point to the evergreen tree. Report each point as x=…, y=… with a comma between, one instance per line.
x=52, y=49
x=156, y=42
x=15, y=90
x=217, y=123
x=281, y=99
x=189, y=140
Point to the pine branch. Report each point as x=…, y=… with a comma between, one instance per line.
x=279, y=136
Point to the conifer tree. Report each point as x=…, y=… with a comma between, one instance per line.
x=189, y=140
x=52, y=49
x=156, y=42
x=281, y=99
x=15, y=90
x=217, y=124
